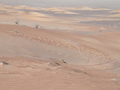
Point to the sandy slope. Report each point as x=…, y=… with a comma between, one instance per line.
x=35, y=58
x=62, y=54
x=33, y=74
x=84, y=49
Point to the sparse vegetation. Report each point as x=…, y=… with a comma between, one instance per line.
x=16, y=31
x=101, y=29
x=17, y=21
x=36, y=25
x=4, y=63
x=63, y=61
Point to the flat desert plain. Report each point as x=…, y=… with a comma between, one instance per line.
x=61, y=54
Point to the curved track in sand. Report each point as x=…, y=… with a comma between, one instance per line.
x=56, y=59
x=81, y=49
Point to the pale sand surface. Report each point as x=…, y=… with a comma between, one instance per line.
x=35, y=59
x=59, y=55
x=33, y=74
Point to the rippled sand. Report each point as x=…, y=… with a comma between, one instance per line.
x=61, y=54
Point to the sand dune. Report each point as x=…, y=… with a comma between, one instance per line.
x=66, y=12
x=117, y=15
x=74, y=8
x=116, y=11
x=53, y=9
x=85, y=8
x=35, y=57
x=92, y=46
x=41, y=15
x=64, y=53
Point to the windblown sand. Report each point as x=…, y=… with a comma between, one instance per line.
x=35, y=58
x=60, y=55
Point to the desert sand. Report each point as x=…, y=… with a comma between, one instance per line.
x=61, y=54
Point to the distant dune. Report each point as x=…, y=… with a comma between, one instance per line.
x=116, y=15
x=116, y=11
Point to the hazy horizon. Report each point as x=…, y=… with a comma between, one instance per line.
x=112, y=4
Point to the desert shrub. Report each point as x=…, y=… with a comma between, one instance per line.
x=17, y=21
x=36, y=25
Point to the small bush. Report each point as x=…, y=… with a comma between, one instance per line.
x=36, y=25
x=17, y=21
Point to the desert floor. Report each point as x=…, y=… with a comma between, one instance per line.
x=60, y=55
